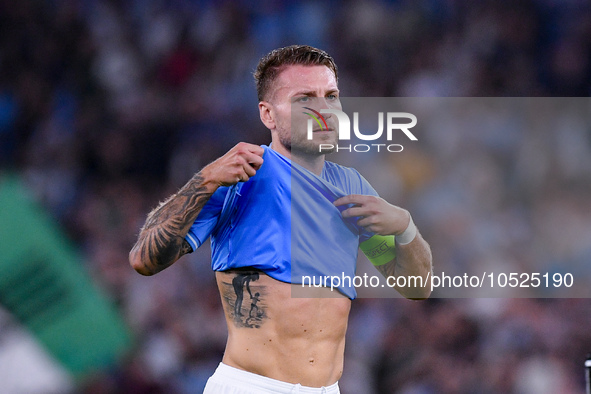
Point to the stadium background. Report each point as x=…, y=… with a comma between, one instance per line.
x=107, y=107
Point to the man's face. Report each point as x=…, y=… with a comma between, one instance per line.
x=296, y=87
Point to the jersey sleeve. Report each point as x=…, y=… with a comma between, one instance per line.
x=207, y=219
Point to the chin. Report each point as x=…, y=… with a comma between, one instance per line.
x=312, y=147
x=326, y=151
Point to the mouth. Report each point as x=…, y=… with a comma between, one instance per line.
x=323, y=131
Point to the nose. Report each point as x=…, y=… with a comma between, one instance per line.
x=326, y=104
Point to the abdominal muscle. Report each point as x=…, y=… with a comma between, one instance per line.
x=270, y=333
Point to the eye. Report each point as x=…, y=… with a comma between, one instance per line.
x=332, y=97
x=304, y=99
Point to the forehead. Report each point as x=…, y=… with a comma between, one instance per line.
x=299, y=78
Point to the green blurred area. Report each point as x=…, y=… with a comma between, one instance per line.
x=45, y=286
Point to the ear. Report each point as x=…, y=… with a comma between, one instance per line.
x=267, y=115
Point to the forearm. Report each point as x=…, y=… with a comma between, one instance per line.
x=412, y=260
x=161, y=241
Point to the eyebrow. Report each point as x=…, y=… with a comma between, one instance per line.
x=312, y=93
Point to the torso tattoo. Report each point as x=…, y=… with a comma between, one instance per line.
x=244, y=297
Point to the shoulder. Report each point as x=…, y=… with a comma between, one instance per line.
x=348, y=178
x=273, y=158
x=339, y=171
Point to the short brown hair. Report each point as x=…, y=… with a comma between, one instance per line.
x=271, y=65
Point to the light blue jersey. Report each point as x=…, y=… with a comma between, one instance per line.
x=283, y=222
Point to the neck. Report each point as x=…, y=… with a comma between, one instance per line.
x=313, y=163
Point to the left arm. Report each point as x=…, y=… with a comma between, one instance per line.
x=412, y=259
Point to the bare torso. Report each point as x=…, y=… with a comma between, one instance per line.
x=271, y=333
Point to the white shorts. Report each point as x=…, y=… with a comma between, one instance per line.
x=230, y=380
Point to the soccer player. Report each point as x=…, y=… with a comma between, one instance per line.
x=246, y=201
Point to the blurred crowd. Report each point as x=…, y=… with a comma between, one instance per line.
x=107, y=107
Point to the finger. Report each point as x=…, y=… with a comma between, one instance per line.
x=351, y=199
x=251, y=164
x=256, y=166
x=252, y=148
x=248, y=170
x=368, y=223
x=244, y=159
x=254, y=160
x=245, y=174
x=257, y=150
x=355, y=211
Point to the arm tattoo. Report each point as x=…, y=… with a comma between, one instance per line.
x=186, y=248
x=245, y=301
x=414, y=259
x=387, y=269
x=162, y=239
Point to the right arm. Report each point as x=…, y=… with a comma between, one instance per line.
x=161, y=241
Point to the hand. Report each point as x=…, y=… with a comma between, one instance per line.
x=377, y=215
x=239, y=164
